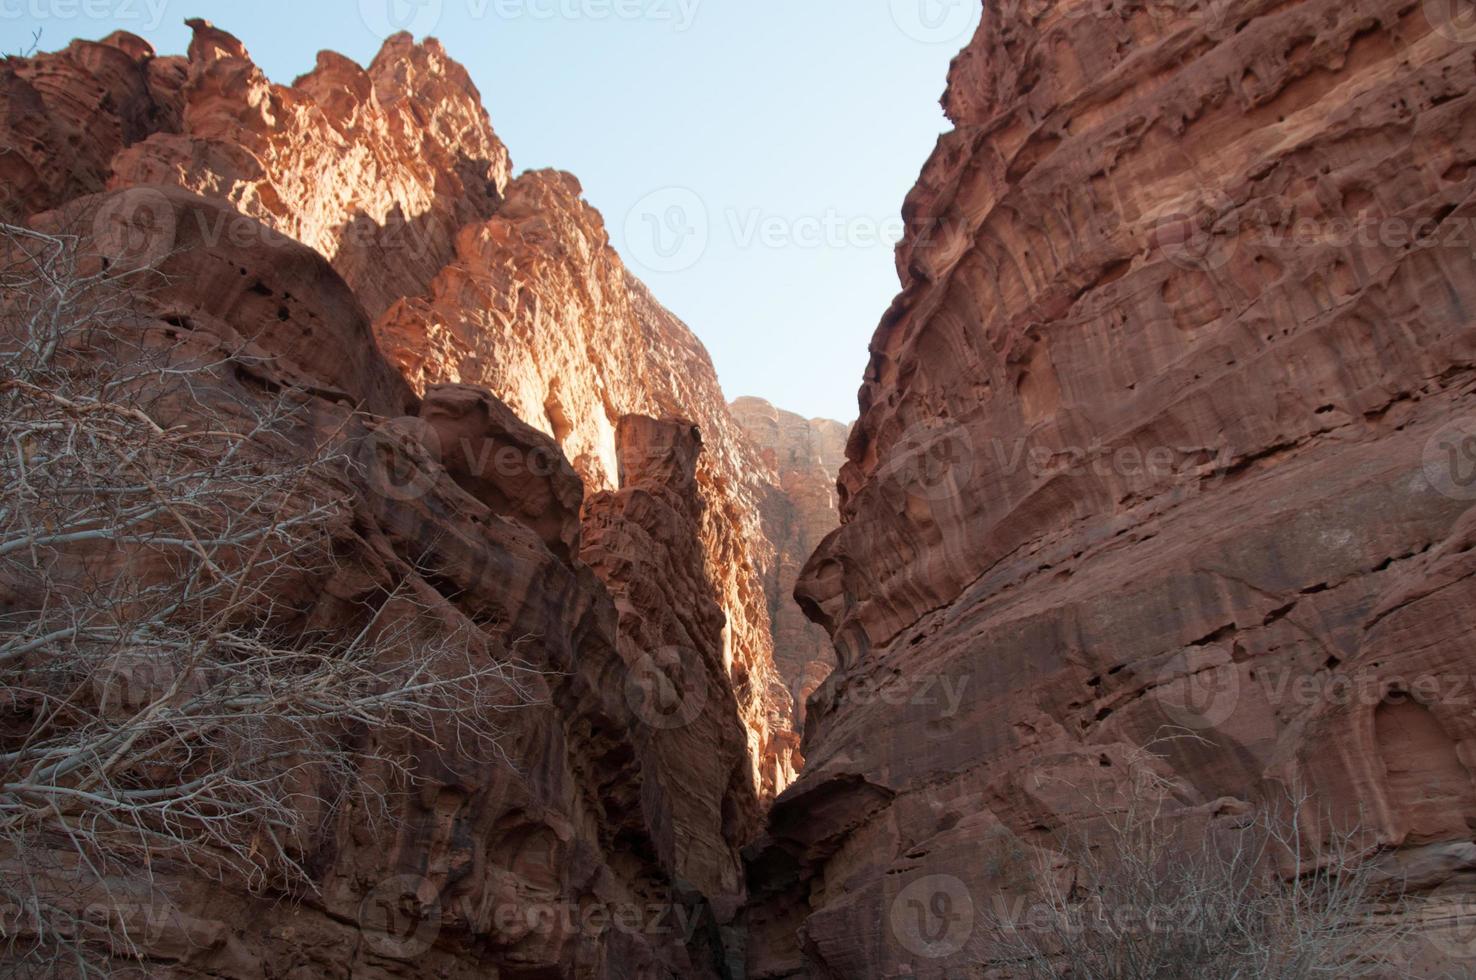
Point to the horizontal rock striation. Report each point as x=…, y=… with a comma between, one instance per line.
x=1165, y=431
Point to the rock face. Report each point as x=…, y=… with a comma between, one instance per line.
x=1164, y=430
x=485, y=864
x=798, y=512
x=296, y=226
x=394, y=174
x=537, y=307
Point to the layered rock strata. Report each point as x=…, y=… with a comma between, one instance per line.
x=798, y=512
x=1164, y=432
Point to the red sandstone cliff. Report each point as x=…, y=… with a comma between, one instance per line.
x=394, y=174
x=1161, y=420
x=798, y=512
x=285, y=222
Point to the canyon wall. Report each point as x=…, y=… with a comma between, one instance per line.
x=541, y=459
x=798, y=512
x=394, y=174
x=1167, y=431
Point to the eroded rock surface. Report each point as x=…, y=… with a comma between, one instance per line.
x=295, y=225
x=490, y=860
x=394, y=174
x=537, y=307
x=1159, y=434
x=798, y=512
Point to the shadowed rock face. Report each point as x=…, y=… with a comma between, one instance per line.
x=537, y=307
x=798, y=512
x=487, y=863
x=1157, y=434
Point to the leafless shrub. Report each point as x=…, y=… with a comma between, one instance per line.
x=167, y=700
x=1142, y=891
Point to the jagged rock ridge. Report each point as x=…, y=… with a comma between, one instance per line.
x=294, y=226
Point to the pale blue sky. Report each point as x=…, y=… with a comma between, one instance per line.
x=750, y=156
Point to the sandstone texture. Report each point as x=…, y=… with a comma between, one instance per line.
x=798, y=512
x=483, y=555
x=538, y=308
x=540, y=466
x=1164, y=432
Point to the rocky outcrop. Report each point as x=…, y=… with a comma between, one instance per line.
x=798, y=512
x=644, y=542
x=394, y=174
x=1164, y=431
x=537, y=307
x=290, y=228
x=449, y=521
x=374, y=168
